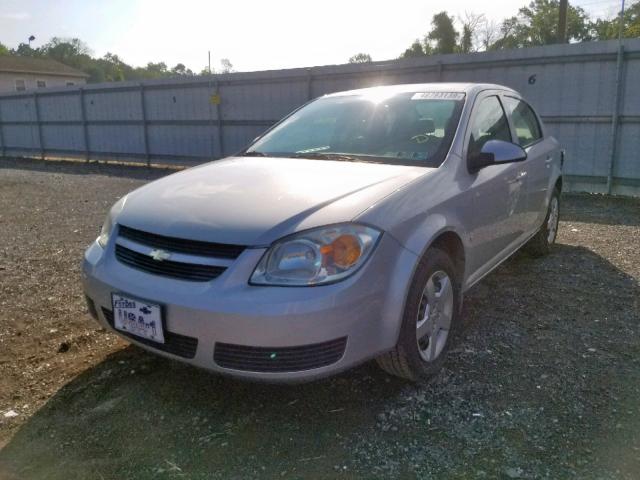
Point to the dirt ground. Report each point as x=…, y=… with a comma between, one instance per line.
x=544, y=383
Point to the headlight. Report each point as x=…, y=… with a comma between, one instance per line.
x=103, y=238
x=315, y=257
x=107, y=226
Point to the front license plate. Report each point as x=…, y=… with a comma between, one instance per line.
x=137, y=317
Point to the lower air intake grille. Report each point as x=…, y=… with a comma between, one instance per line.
x=176, y=344
x=279, y=359
x=167, y=268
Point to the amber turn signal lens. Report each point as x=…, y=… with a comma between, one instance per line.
x=345, y=250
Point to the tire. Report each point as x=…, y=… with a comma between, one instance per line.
x=540, y=243
x=410, y=359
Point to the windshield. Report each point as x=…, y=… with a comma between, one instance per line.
x=411, y=128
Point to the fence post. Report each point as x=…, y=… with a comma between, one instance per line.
x=219, y=116
x=615, y=116
x=309, y=84
x=37, y=111
x=211, y=122
x=3, y=147
x=85, y=127
x=144, y=125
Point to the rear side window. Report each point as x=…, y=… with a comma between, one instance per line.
x=524, y=121
x=489, y=123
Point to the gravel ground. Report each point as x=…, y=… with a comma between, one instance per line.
x=544, y=382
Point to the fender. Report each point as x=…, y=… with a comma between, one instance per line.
x=416, y=232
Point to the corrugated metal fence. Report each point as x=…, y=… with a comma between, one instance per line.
x=590, y=105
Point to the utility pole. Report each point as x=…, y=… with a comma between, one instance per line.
x=562, y=21
x=209, y=62
x=616, y=104
x=621, y=25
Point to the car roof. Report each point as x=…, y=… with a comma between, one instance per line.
x=468, y=88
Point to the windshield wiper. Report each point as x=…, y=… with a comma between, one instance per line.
x=254, y=153
x=329, y=156
x=312, y=156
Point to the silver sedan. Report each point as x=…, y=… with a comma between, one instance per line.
x=348, y=231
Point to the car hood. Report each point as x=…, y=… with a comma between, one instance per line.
x=256, y=200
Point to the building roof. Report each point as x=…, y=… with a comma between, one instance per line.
x=18, y=64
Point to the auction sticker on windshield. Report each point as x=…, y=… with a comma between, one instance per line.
x=438, y=96
x=137, y=317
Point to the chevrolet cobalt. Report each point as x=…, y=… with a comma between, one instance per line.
x=348, y=231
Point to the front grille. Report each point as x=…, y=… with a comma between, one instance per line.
x=174, y=343
x=279, y=359
x=180, y=245
x=184, y=271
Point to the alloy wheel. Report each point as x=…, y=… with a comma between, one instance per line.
x=434, y=316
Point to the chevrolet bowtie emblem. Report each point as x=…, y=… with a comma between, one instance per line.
x=159, y=255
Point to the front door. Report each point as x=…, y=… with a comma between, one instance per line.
x=497, y=196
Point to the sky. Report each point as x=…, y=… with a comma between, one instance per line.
x=254, y=35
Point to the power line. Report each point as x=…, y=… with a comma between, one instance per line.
x=597, y=2
x=607, y=9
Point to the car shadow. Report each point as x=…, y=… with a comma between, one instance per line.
x=539, y=350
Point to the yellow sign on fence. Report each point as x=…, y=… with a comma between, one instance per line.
x=215, y=99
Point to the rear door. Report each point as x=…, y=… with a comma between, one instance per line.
x=527, y=132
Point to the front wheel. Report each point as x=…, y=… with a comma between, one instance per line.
x=540, y=243
x=430, y=320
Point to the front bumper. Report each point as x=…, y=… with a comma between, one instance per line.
x=365, y=310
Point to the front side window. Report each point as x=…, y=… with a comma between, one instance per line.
x=524, y=121
x=41, y=84
x=410, y=128
x=21, y=86
x=489, y=123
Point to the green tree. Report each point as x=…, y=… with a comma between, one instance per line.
x=466, y=42
x=24, y=50
x=180, y=69
x=443, y=34
x=537, y=24
x=360, y=58
x=607, y=29
x=415, y=50
x=70, y=51
x=151, y=71
x=110, y=68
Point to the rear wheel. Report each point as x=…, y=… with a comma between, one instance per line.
x=430, y=320
x=541, y=242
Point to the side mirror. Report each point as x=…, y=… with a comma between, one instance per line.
x=495, y=152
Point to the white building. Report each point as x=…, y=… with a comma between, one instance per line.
x=26, y=73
